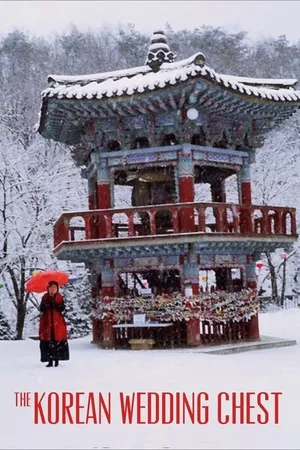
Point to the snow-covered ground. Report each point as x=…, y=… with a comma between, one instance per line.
x=94, y=370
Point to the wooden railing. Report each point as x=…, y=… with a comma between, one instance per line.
x=176, y=336
x=175, y=218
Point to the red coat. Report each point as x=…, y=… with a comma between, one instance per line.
x=52, y=322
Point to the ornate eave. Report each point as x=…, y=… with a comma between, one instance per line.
x=71, y=102
x=67, y=120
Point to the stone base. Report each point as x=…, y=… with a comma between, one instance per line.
x=265, y=342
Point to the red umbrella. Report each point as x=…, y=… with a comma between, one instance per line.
x=39, y=282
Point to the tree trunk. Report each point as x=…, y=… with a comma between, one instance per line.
x=273, y=278
x=21, y=313
x=20, y=296
x=283, y=283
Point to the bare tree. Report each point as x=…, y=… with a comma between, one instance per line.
x=32, y=180
x=275, y=177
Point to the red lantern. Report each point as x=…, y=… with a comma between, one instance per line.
x=259, y=264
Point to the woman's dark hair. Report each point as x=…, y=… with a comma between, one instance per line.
x=53, y=283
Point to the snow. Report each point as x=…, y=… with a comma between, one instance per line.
x=98, y=77
x=159, y=45
x=140, y=79
x=268, y=81
x=158, y=35
x=94, y=370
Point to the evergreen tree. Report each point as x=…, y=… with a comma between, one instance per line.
x=5, y=330
x=78, y=307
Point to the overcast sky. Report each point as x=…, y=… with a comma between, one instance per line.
x=259, y=18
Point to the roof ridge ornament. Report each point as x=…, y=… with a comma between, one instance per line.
x=159, y=51
x=199, y=59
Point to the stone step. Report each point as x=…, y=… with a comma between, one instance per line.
x=265, y=342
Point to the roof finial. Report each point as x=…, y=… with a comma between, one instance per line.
x=159, y=51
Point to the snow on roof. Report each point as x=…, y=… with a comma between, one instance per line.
x=141, y=79
x=268, y=81
x=98, y=77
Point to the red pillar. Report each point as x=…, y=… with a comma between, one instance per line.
x=246, y=193
x=108, y=293
x=92, y=187
x=91, y=226
x=191, y=278
x=196, y=288
x=245, y=199
x=253, y=323
x=103, y=195
x=109, y=335
x=193, y=333
x=96, y=324
x=186, y=188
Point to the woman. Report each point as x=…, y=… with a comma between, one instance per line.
x=53, y=330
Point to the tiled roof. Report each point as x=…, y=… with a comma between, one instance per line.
x=287, y=82
x=141, y=79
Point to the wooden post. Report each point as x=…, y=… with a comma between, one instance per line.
x=186, y=187
x=96, y=331
x=103, y=195
x=218, y=194
x=108, y=293
x=95, y=295
x=109, y=335
x=191, y=278
x=193, y=333
x=252, y=325
x=91, y=222
x=245, y=199
x=92, y=200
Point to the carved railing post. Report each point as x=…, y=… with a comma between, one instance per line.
x=108, y=224
x=293, y=222
x=152, y=214
x=201, y=218
x=130, y=216
x=175, y=220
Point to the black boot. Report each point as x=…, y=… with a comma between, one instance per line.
x=56, y=362
x=50, y=364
